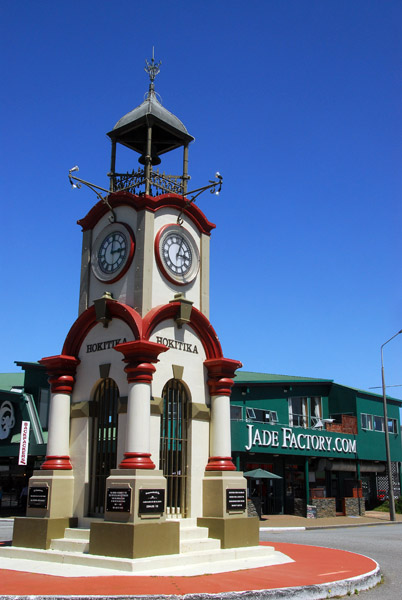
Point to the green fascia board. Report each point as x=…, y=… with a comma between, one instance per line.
x=10, y=380
x=360, y=393
x=26, y=364
x=368, y=447
x=243, y=377
x=251, y=377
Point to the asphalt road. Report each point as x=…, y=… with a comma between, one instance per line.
x=383, y=543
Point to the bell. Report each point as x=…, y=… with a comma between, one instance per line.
x=155, y=160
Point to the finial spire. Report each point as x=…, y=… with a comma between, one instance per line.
x=152, y=69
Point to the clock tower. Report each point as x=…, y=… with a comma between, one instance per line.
x=144, y=252
x=139, y=425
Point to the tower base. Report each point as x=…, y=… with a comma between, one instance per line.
x=37, y=532
x=134, y=540
x=232, y=533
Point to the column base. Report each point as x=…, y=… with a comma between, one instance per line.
x=57, y=463
x=129, y=540
x=220, y=463
x=136, y=460
x=135, y=496
x=220, y=491
x=33, y=532
x=232, y=533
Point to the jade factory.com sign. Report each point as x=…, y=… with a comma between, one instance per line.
x=288, y=439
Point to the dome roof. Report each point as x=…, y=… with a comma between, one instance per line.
x=168, y=132
x=151, y=106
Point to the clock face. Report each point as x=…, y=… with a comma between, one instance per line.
x=177, y=254
x=112, y=252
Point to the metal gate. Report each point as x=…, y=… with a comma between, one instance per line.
x=173, y=445
x=104, y=443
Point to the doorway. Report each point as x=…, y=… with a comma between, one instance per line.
x=173, y=445
x=104, y=443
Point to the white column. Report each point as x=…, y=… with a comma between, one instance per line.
x=139, y=356
x=61, y=370
x=220, y=438
x=58, y=443
x=220, y=381
x=138, y=417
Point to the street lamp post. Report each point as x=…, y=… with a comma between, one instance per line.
x=388, y=452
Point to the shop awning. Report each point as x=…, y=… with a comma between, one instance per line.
x=261, y=474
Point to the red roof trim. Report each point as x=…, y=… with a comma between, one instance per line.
x=152, y=203
x=198, y=322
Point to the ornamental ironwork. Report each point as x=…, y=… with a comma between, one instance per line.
x=160, y=183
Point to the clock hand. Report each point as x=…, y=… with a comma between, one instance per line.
x=181, y=244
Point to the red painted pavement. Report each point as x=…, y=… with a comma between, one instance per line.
x=312, y=566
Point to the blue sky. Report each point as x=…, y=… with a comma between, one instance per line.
x=297, y=104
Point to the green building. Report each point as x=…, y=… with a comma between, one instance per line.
x=24, y=397
x=325, y=442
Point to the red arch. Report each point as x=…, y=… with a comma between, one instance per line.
x=198, y=322
x=87, y=320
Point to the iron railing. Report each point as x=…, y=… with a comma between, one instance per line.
x=160, y=183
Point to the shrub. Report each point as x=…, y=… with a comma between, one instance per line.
x=384, y=507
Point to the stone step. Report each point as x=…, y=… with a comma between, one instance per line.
x=191, y=563
x=186, y=523
x=77, y=533
x=194, y=545
x=69, y=545
x=193, y=533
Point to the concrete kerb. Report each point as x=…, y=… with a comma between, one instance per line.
x=340, y=526
x=309, y=592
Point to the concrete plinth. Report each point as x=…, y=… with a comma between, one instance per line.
x=225, y=510
x=232, y=533
x=129, y=540
x=129, y=497
x=214, y=493
x=34, y=532
x=58, y=487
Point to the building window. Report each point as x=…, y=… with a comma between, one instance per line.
x=392, y=426
x=315, y=411
x=250, y=414
x=378, y=423
x=367, y=421
x=298, y=411
x=236, y=413
x=261, y=416
x=273, y=416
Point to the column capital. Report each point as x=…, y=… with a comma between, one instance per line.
x=61, y=370
x=139, y=356
x=220, y=375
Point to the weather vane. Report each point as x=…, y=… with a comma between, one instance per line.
x=152, y=68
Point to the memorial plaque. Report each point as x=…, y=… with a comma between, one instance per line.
x=118, y=499
x=235, y=500
x=151, y=502
x=38, y=497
